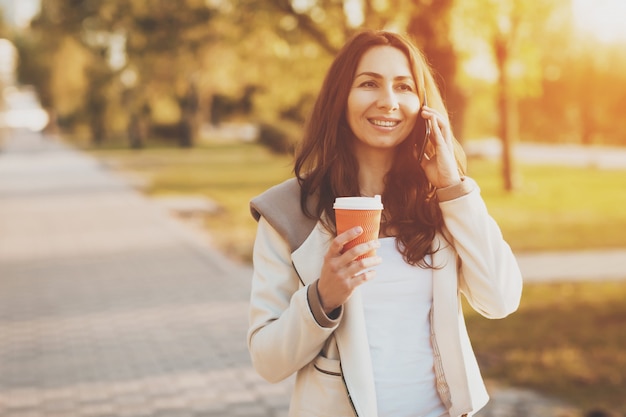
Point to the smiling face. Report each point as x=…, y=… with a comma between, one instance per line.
x=383, y=104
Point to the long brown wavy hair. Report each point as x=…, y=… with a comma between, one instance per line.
x=326, y=167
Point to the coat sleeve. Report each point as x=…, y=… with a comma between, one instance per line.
x=283, y=335
x=489, y=276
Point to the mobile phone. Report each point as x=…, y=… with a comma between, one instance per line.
x=427, y=130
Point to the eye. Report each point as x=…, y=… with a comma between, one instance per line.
x=405, y=87
x=368, y=84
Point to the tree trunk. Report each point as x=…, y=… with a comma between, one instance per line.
x=587, y=119
x=98, y=131
x=430, y=29
x=189, y=126
x=506, y=112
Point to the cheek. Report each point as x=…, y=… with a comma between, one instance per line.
x=411, y=110
x=354, y=108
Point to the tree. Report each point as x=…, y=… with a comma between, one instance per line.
x=160, y=62
x=157, y=44
x=430, y=26
x=164, y=46
x=327, y=24
x=512, y=29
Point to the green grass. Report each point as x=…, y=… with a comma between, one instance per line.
x=557, y=207
x=554, y=207
x=567, y=340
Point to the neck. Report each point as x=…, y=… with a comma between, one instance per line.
x=372, y=171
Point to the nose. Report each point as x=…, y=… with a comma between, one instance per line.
x=387, y=100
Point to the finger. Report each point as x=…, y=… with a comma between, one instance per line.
x=446, y=132
x=339, y=242
x=362, y=277
x=437, y=121
x=360, y=249
x=438, y=126
x=362, y=265
x=442, y=135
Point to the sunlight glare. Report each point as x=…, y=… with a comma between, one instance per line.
x=603, y=19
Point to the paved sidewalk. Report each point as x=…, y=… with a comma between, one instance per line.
x=110, y=307
x=584, y=265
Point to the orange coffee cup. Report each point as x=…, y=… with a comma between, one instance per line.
x=359, y=211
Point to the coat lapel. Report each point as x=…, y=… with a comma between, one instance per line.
x=356, y=363
x=445, y=286
x=446, y=312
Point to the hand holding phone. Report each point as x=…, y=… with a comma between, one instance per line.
x=441, y=168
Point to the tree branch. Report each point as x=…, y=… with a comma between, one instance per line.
x=308, y=25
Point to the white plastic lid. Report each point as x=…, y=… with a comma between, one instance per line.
x=358, y=203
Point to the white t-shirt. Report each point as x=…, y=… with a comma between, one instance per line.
x=397, y=305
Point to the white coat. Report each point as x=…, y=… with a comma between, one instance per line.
x=289, y=333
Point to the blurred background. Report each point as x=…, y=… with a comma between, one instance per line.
x=538, y=81
x=199, y=104
x=539, y=71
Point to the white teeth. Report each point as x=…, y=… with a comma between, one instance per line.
x=384, y=123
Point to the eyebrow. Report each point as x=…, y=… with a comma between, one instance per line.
x=378, y=76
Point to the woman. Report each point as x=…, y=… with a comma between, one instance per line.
x=384, y=335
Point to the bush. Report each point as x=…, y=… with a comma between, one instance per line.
x=278, y=139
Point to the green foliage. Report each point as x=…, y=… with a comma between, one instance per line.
x=568, y=85
x=138, y=53
x=196, y=48
x=32, y=68
x=187, y=52
x=583, y=92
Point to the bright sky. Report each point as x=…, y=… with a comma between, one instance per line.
x=603, y=19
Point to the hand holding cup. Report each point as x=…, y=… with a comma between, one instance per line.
x=351, y=257
x=359, y=211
